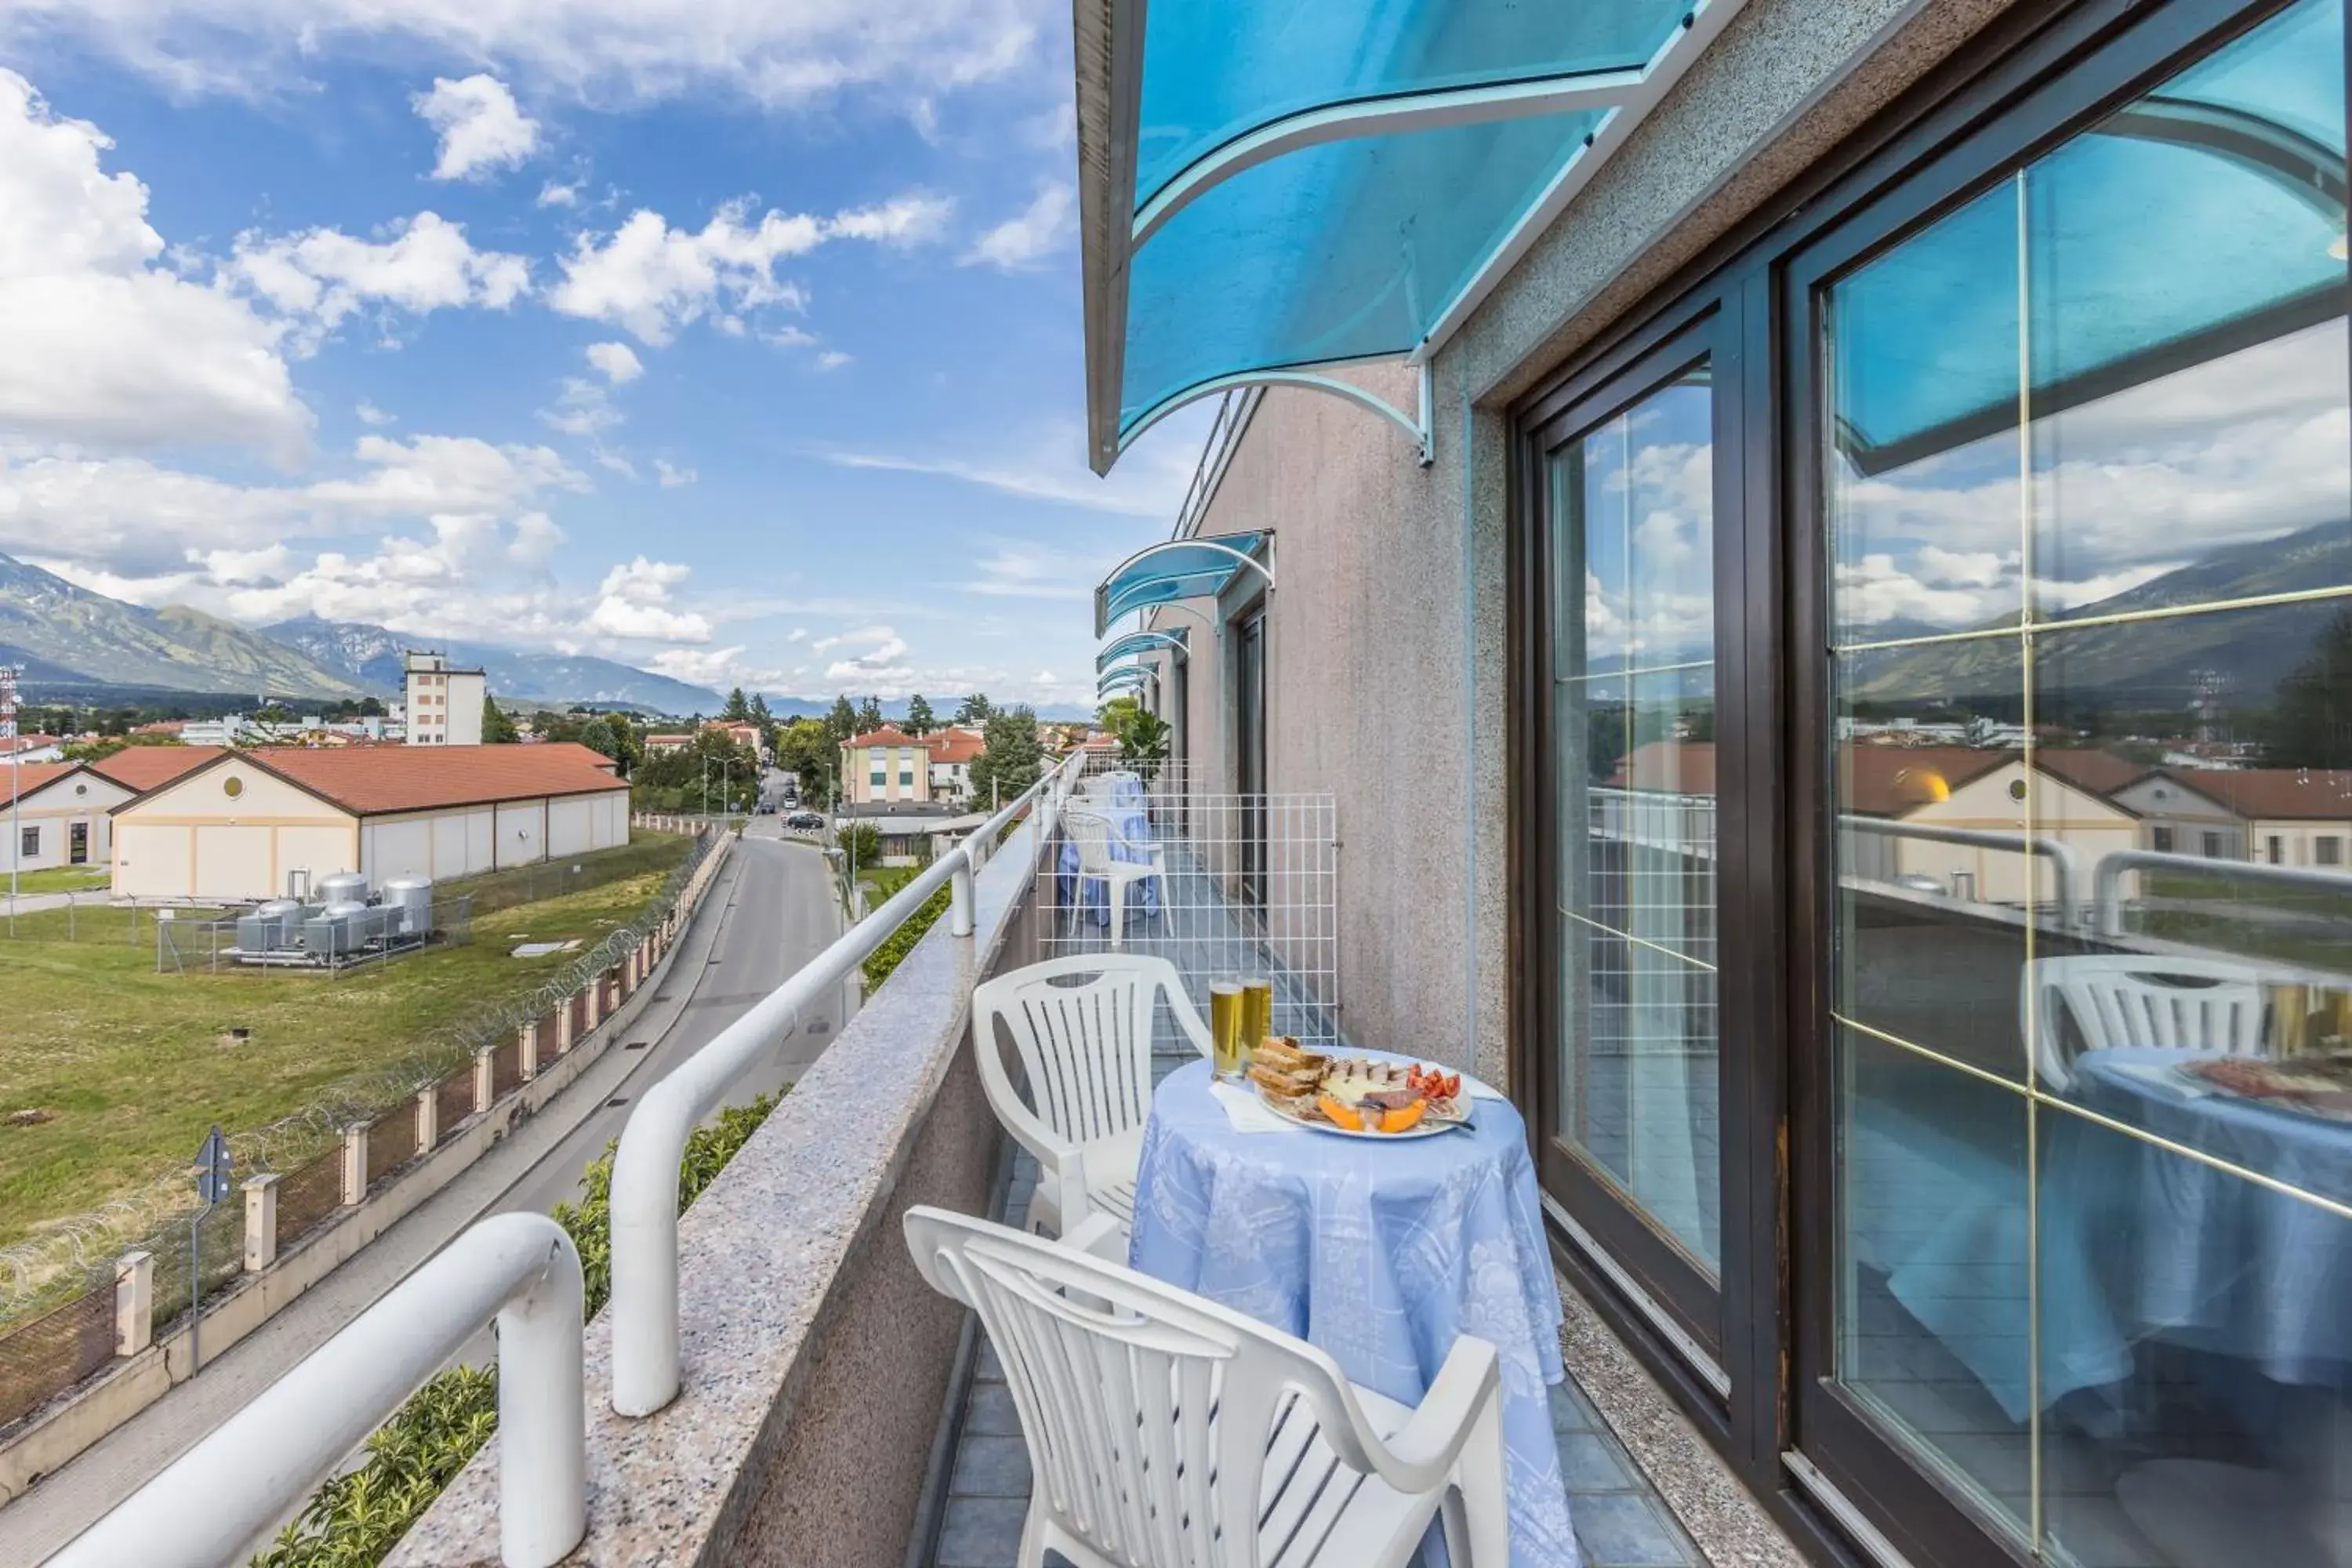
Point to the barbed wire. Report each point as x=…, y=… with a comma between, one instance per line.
x=79, y=1250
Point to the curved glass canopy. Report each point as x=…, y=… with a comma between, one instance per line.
x=1278, y=184
x=1145, y=642
x=1177, y=569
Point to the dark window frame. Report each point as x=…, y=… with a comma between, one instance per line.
x=2029, y=81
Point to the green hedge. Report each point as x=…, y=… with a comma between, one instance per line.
x=901, y=942
x=354, y=1518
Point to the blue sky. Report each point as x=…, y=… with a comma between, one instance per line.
x=739, y=341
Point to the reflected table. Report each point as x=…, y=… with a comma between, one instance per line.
x=1380, y=1255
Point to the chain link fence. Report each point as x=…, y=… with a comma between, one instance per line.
x=57, y=1293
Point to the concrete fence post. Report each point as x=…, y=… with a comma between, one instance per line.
x=527, y=1043
x=355, y=1171
x=135, y=1302
x=485, y=1079
x=428, y=1117
x=260, y=1222
x=563, y=1040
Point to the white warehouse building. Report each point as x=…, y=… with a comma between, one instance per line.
x=243, y=826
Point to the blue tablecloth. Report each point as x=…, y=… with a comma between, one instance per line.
x=1131, y=828
x=2137, y=1242
x=1381, y=1255
x=1125, y=792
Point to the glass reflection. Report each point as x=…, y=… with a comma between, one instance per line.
x=1634, y=632
x=2196, y=1358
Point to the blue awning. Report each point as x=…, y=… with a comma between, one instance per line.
x=1175, y=569
x=2199, y=220
x=1273, y=185
x=1147, y=642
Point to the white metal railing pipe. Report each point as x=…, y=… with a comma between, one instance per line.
x=2107, y=877
x=211, y=1504
x=2065, y=865
x=653, y=1142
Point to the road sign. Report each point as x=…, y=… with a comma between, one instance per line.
x=213, y=1165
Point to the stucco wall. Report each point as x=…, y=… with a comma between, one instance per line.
x=1387, y=653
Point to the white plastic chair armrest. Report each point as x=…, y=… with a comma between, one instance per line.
x=1100, y=1235
x=1187, y=1018
x=1420, y=1457
x=1059, y=1159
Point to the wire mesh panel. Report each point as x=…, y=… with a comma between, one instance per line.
x=1225, y=886
x=506, y=1067
x=391, y=1143
x=43, y=1358
x=219, y=1244
x=310, y=1194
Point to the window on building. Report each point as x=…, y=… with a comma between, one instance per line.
x=2276, y=851
x=2160, y=840
x=2212, y=846
x=2327, y=850
x=879, y=778
x=28, y=842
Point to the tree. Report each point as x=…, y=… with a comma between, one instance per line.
x=842, y=721
x=1011, y=760
x=498, y=729
x=975, y=709
x=869, y=716
x=1114, y=715
x=920, y=719
x=371, y=708
x=599, y=736
x=738, y=709
x=806, y=748
x=2310, y=727
x=861, y=841
x=711, y=767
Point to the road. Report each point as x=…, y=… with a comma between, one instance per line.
x=773, y=909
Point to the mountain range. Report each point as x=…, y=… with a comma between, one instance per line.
x=370, y=655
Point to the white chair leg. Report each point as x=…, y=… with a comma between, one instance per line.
x=1115, y=894
x=1487, y=1516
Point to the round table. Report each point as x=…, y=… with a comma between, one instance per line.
x=1380, y=1255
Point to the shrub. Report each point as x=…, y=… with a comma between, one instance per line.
x=356, y=1517
x=901, y=942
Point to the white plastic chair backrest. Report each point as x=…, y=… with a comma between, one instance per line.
x=1085, y=1048
x=2205, y=1006
x=1147, y=1410
x=1093, y=835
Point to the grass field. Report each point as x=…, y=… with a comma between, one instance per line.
x=133, y=1064
x=58, y=879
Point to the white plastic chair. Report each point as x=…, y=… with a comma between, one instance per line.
x=1093, y=834
x=1167, y=1432
x=2128, y=999
x=1085, y=1050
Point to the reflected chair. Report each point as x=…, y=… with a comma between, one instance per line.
x=1099, y=862
x=1165, y=1431
x=1085, y=1050
x=2209, y=1006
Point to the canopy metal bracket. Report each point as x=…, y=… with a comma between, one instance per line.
x=1417, y=427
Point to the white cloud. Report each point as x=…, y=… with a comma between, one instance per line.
x=798, y=634
x=102, y=346
x=581, y=408
x=1048, y=463
x=672, y=476
x=553, y=194
x=617, y=361
x=876, y=635
x=317, y=278
x=652, y=280
x=803, y=53
x=1036, y=232
x=880, y=666
x=371, y=415
x=634, y=603
x=832, y=359
x=480, y=126
x=1036, y=571
x=536, y=536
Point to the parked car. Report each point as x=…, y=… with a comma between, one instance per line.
x=805, y=821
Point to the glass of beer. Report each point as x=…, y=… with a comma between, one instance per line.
x=1258, y=1011
x=1226, y=1007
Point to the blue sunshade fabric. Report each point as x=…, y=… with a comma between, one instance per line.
x=2201, y=218
x=1133, y=643
x=1180, y=569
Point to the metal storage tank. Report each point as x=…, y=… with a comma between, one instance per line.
x=343, y=887
x=413, y=897
x=274, y=924
x=333, y=930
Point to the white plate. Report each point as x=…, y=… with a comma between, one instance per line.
x=1427, y=1127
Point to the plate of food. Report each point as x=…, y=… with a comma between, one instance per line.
x=1357, y=1097
x=2316, y=1085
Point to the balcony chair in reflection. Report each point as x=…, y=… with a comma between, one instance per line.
x=2209, y=1006
x=1167, y=1432
x=1099, y=843
x=1085, y=1050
